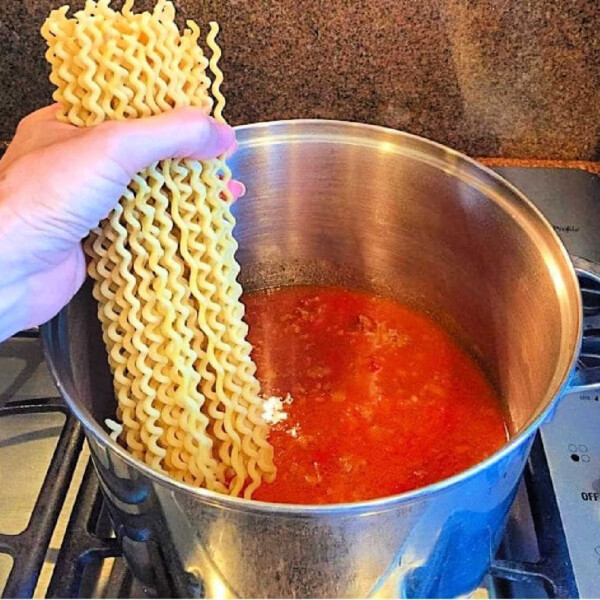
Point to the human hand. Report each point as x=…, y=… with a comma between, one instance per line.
x=58, y=181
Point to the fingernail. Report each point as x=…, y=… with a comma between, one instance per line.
x=237, y=188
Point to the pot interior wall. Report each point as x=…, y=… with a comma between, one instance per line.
x=377, y=212
x=375, y=216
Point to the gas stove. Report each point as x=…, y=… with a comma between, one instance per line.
x=56, y=538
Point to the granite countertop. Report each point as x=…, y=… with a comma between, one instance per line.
x=592, y=167
x=496, y=78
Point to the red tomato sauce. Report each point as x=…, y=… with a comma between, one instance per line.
x=384, y=399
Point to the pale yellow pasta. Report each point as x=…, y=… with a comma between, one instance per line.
x=163, y=261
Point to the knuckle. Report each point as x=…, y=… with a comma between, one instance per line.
x=24, y=124
x=106, y=138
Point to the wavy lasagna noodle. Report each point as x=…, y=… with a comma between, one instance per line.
x=163, y=261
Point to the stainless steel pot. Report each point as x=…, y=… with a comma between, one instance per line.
x=385, y=211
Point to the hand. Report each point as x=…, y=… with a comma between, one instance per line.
x=58, y=181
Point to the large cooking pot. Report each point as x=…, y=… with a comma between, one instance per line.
x=385, y=211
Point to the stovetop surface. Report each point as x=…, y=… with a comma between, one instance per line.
x=570, y=199
x=552, y=545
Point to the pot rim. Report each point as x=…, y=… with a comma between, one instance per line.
x=452, y=166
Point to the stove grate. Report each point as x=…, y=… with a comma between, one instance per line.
x=88, y=541
x=28, y=548
x=553, y=572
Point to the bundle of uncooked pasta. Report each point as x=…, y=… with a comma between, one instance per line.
x=163, y=261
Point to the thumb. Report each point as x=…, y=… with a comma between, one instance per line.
x=178, y=133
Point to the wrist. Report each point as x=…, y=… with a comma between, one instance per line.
x=20, y=255
x=13, y=240
x=14, y=311
x=36, y=298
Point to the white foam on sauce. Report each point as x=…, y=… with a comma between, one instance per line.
x=273, y=409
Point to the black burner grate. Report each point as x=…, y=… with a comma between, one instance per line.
x=28, y=548
x=553, y=572
x=589, y=358
x=88, y=542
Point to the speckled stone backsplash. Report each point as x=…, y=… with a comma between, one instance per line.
x=511, y=78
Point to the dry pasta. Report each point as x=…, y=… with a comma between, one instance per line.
x=163, y=261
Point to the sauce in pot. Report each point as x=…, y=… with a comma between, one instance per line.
x=384, y=400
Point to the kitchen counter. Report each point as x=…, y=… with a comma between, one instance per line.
x=511, y=79
x=592, y=167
